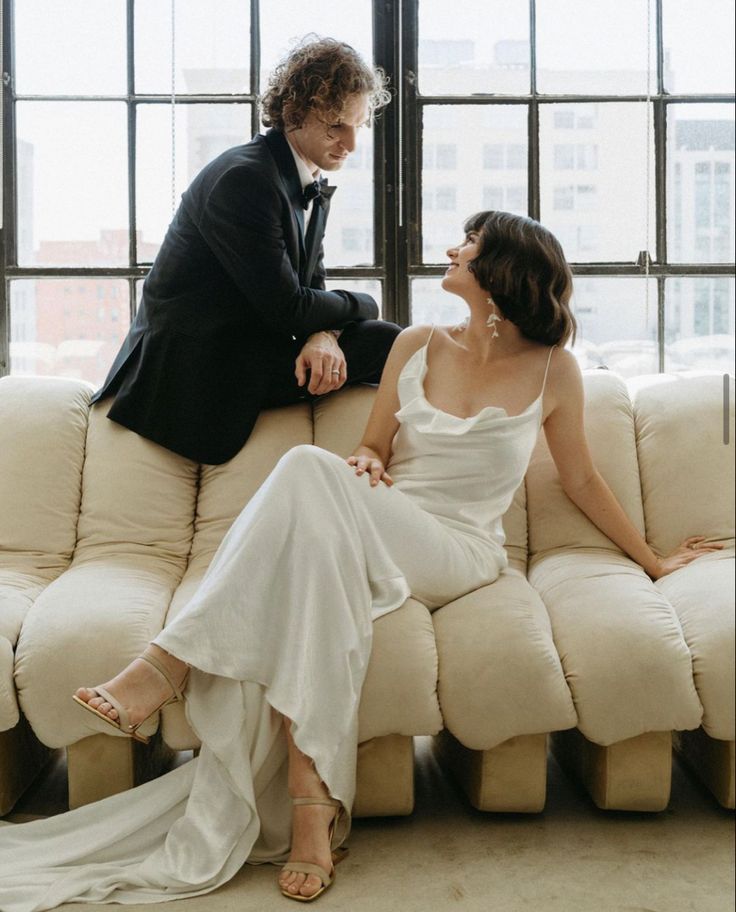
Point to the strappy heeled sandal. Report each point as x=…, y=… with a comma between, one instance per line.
x=303, y=867
x=122, y=723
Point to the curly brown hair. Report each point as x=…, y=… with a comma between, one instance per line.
x=522, y=266
x=319, y=75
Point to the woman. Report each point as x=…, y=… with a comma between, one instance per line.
x=276, y=641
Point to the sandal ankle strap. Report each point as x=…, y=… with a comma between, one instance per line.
x=330, y=802
x=160, y=668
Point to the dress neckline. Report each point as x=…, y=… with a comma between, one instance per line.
x=422, y=352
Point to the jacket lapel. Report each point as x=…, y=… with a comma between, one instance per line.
x=316, y=230
x=279, y=148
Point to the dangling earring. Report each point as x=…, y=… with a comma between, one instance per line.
x=493, y=319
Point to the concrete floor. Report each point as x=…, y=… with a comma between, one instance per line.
x=447, y=856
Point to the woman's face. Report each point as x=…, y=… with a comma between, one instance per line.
x=458, y=279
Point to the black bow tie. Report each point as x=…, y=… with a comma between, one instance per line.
x=311, y=192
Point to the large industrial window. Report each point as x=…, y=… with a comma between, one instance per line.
x=612, y=123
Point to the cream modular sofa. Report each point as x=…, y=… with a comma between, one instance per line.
x=104, y=536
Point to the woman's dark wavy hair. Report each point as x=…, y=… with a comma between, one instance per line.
x=319, y=75
x=522, y=266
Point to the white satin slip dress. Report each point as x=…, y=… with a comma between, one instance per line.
x=282, y=623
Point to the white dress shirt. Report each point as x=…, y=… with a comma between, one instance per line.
x=306, y=177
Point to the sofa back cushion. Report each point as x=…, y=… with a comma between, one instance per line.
x=138, y=497
x=686, y=467
x=225, y=489
x=554, y=521
x=43, y=424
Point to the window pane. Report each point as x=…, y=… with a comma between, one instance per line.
x=699, y=324
x=698, y=46
x=488, y=51
x=474, y=157
x=70, y=327
x=349, y=235
x=373, y=287
x=202, y=132
x=283, y=24
x=594, y=48
x=593, y=180
x=700, y=183
x=617, y=329
x=430, y=303
x=212, y=46
x=70, y=48
x=72, y=184
x=617, y=325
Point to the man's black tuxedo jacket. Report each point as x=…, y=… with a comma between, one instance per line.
x=232, y=284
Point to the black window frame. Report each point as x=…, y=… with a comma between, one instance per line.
x=397, y=142
x=658, y=268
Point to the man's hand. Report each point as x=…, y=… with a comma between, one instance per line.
x=324, y=359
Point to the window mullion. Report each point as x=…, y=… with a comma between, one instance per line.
x=410, y=246
x=8, y=235
x=131, y=115
x=255, y=63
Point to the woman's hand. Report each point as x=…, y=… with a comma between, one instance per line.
x=684, y=554
x=366, y=460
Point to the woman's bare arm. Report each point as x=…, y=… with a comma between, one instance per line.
x=374, y=452
x=565, y=432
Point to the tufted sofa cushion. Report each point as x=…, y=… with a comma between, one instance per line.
x=40, y=487
x=619, y=639
x=686, y=469
x=135, y=533
x=9, y=714
x=556, y=523
x=687, y=478
x=43, y=424
x=500, y=675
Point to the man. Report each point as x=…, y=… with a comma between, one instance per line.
x=234, y=313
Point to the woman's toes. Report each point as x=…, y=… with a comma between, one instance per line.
x=311, y=884
x=286, y=879
x=293, y=887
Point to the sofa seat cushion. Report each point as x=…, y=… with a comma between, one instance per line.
x=82, y=630
x=18, y=591
x=621, y=645
x=500, y=675
x=403, y=662
x=399, y=695
x=686, y=469
x=9, y=712
x=702, y=594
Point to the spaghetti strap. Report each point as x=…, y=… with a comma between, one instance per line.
x=546, y=370
x=425, y=348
